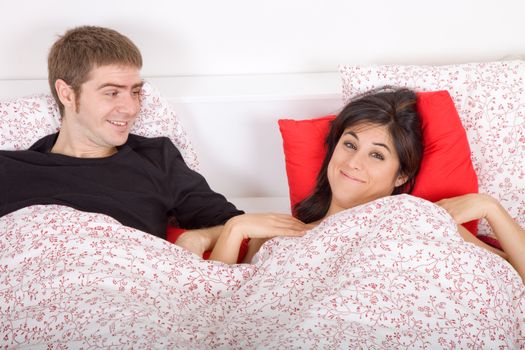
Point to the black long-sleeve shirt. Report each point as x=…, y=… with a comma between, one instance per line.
x=141, y=185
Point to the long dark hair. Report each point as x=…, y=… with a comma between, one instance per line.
x=392, y=107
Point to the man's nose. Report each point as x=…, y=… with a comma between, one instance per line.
x=129, y=104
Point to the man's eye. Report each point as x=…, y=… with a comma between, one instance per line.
x=112, y=93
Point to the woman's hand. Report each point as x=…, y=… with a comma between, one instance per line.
x=468, y=207
x=509, y=233
x=260, y=226
x=266, y=225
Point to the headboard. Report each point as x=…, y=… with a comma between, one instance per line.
x=232, y=123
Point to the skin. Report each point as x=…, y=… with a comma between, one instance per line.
x=107, y=107
x=258, y=227
x=482, y=206
x=363, y=167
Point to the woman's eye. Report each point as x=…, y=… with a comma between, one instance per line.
x=350, y=145
x=378, y=156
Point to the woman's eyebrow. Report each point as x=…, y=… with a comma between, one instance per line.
x=382, y=145
x=350, y=132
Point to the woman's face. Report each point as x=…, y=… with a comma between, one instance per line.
x=363, y=167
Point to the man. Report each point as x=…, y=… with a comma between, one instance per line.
x=94, y=164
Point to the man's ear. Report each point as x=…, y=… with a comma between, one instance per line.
x=65, y=93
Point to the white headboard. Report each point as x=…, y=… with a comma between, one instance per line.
x=232, y=122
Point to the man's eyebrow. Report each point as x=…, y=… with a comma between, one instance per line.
x=120, y=86
x=350, y=132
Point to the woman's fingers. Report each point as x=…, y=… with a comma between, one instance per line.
x=269, y=225
x=466, y=207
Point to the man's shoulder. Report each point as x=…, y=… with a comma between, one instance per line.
x=137, y=139
x=45, y=143
x=142, y=143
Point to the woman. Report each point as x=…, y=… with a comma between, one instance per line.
x=374, y=149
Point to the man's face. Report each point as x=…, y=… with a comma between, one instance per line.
x=108, y=106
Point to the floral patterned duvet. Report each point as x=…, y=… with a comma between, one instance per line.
x=391, y=274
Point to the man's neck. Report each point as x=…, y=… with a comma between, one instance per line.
x=71, y=151
x=79, y=146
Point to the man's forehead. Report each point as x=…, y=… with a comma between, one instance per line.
x=117, y=75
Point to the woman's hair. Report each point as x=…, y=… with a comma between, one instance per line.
x=79, y=50
x=394, y=108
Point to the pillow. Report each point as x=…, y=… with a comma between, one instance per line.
x=446, y=154
x=157, y=118
x=489, y=98
x=304, y=151
x=25, y=120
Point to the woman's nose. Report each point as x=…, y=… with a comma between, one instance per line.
x=355, y=161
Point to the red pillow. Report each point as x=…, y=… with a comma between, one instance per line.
x=304, y=151
x=446, y=168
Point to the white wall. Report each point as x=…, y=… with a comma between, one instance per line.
x=200, y=37
x=233, y=67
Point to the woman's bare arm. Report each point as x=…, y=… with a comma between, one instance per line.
x=199, y=240
x=258, y=226
x=510, y=235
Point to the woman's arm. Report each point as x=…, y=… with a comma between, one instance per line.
x=200, y=240
x=481, y=206
x=258, y=226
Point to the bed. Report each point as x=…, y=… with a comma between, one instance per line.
x=389, y=274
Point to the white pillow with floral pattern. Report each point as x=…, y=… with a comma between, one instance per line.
x=25, y=120
x=490, y=99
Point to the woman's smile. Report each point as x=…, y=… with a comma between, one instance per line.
x=351, y=178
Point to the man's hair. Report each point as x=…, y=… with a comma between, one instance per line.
x=79, y=50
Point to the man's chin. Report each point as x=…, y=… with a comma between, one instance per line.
x=120, y=140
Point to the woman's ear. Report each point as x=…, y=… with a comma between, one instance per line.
x=65, y=93
x=401, y=180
